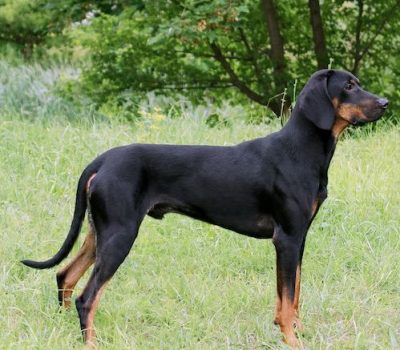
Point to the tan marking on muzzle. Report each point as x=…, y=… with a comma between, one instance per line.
x=347, y=111
x=344, y=113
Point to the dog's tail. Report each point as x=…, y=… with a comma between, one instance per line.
x=79, y=215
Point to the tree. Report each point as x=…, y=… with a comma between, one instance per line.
x=222, y=48
x=257, y=48
x=21, y=22
x=29, y=23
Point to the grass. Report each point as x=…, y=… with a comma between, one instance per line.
x=45, y=93
x=186, y=284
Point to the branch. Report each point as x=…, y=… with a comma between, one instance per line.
x=205, y=55
x=250, y=52
x=182, y=85
x=191, y=87
x=234, y=78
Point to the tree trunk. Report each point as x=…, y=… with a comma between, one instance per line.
x=318, y=34
x=277, y=48
x=357, y=51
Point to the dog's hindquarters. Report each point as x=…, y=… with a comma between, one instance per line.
x=116, y=216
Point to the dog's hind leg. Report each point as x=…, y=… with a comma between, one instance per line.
x=111, y=252
x=117, y=213
x=68, y=277
x=116, y=233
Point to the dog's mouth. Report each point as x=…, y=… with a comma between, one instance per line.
x=370, y=117
x=358, y=122
x=377, y=114
x=367, y=111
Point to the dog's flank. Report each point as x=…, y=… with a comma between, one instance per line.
x=271, y=187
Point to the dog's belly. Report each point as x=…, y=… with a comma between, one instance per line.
x=257, y=225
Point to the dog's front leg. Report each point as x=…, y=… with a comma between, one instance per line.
x=288, y=257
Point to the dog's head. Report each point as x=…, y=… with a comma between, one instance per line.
x=336, y=96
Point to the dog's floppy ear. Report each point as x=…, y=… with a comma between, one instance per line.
x=314, y=101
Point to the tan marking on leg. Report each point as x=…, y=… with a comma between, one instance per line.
x=90, y=335
x=296, y=304
x=297, y=289
x=278, y=305
x=77, y=267
x=288, y=321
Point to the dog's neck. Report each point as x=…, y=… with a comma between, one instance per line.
x=305, y=131
x=304, y=136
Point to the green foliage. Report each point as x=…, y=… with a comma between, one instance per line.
x=215, y=120
x=23, y=20
x=125, y=61
x=165, y=46
x=27, y=23
x=162, y=46
x=32, y=24
x=207, y=51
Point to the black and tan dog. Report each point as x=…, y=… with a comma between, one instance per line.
x=269, y=187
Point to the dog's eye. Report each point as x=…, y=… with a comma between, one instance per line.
x=349, y=86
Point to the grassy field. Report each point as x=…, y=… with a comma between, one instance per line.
x=186, y=284
x=189, y=285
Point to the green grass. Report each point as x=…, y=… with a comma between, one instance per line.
x=186, y=284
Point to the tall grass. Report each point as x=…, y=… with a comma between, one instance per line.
x=47, y=93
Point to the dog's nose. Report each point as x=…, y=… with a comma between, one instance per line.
x=383, y=102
